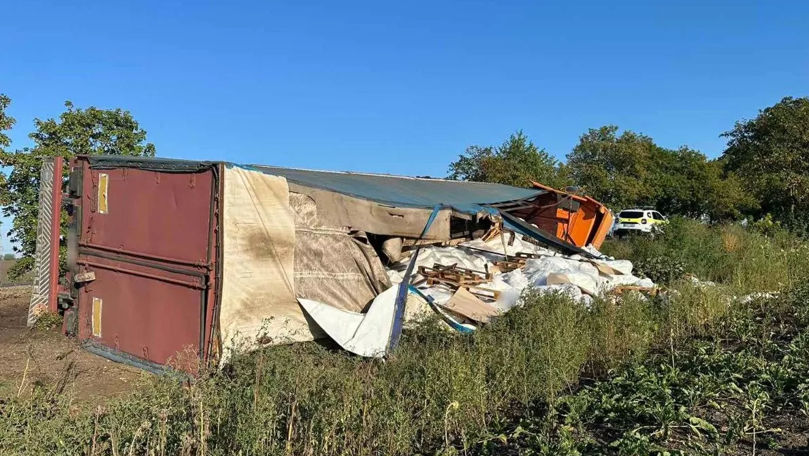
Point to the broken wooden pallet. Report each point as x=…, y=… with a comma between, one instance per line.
x=510, y=265
x=516, y=261
x=454, y=275
x=480, y=292
x=621, y=289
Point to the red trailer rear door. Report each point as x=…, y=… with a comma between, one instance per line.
x=147, y=233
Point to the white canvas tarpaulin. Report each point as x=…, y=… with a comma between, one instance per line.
x=258, y=304
x=366, y=334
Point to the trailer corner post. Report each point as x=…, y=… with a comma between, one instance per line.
x=56, y=229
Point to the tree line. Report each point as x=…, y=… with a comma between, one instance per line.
x=763, y=170
x=76, y=131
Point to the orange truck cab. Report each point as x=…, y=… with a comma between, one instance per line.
x=580, y=220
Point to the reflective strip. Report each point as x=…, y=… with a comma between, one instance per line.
x=103, y=190
x=97, y=305
x=42, y=263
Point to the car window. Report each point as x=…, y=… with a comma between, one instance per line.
x=657, y=216
x=630, y=214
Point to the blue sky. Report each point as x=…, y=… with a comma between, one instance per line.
x=402, y=87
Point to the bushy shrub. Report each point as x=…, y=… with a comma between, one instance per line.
x=766, y=225
x=661, y=269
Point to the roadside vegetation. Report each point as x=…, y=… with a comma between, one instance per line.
x=701, y=368
x=762, y=257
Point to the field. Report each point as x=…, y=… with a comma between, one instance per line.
x=719, y=367
x=5, y=281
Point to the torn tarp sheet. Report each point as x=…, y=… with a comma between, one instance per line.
x=472, y=198
x=365, y=334
x=333, y=265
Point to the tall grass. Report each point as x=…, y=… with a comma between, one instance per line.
x=438, y=392
x=747, y=260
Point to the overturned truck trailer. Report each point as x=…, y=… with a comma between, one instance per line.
x=174, y=261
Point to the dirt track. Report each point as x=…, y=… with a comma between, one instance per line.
x=54, y=361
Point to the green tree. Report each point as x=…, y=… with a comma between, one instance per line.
x=727, y=198
x=629, y=170
x=77, y=131
x=680, y=179
x=518, y=161
x=771, y=154
x=614, y=169
x=6, y=122
x=689, y=184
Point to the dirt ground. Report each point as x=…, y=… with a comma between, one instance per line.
x=46, y=358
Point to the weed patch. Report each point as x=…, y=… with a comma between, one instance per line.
x=748, y=260
x=740, y=387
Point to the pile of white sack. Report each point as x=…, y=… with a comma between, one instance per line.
x=583, y=277
x=370, y=334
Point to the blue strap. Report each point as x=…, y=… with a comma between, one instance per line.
x=449, y=320
x=401, y=295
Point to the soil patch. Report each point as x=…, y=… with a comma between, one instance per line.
x=34, y=357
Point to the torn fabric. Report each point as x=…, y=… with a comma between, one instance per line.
x=365, y=334
x=332, y=265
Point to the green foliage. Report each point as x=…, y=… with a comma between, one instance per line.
x=725, y=392
x=516, y=162
x=6, y=121
x=771, y=153
x=614, y=169
x=662, y=270
x=621, y=330
x=766, y=225
x=439, y=390
x=8, y=257
x=90, y=131
x=630, y=170
x=730, y=254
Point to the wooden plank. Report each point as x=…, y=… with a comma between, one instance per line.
x=464, y=303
